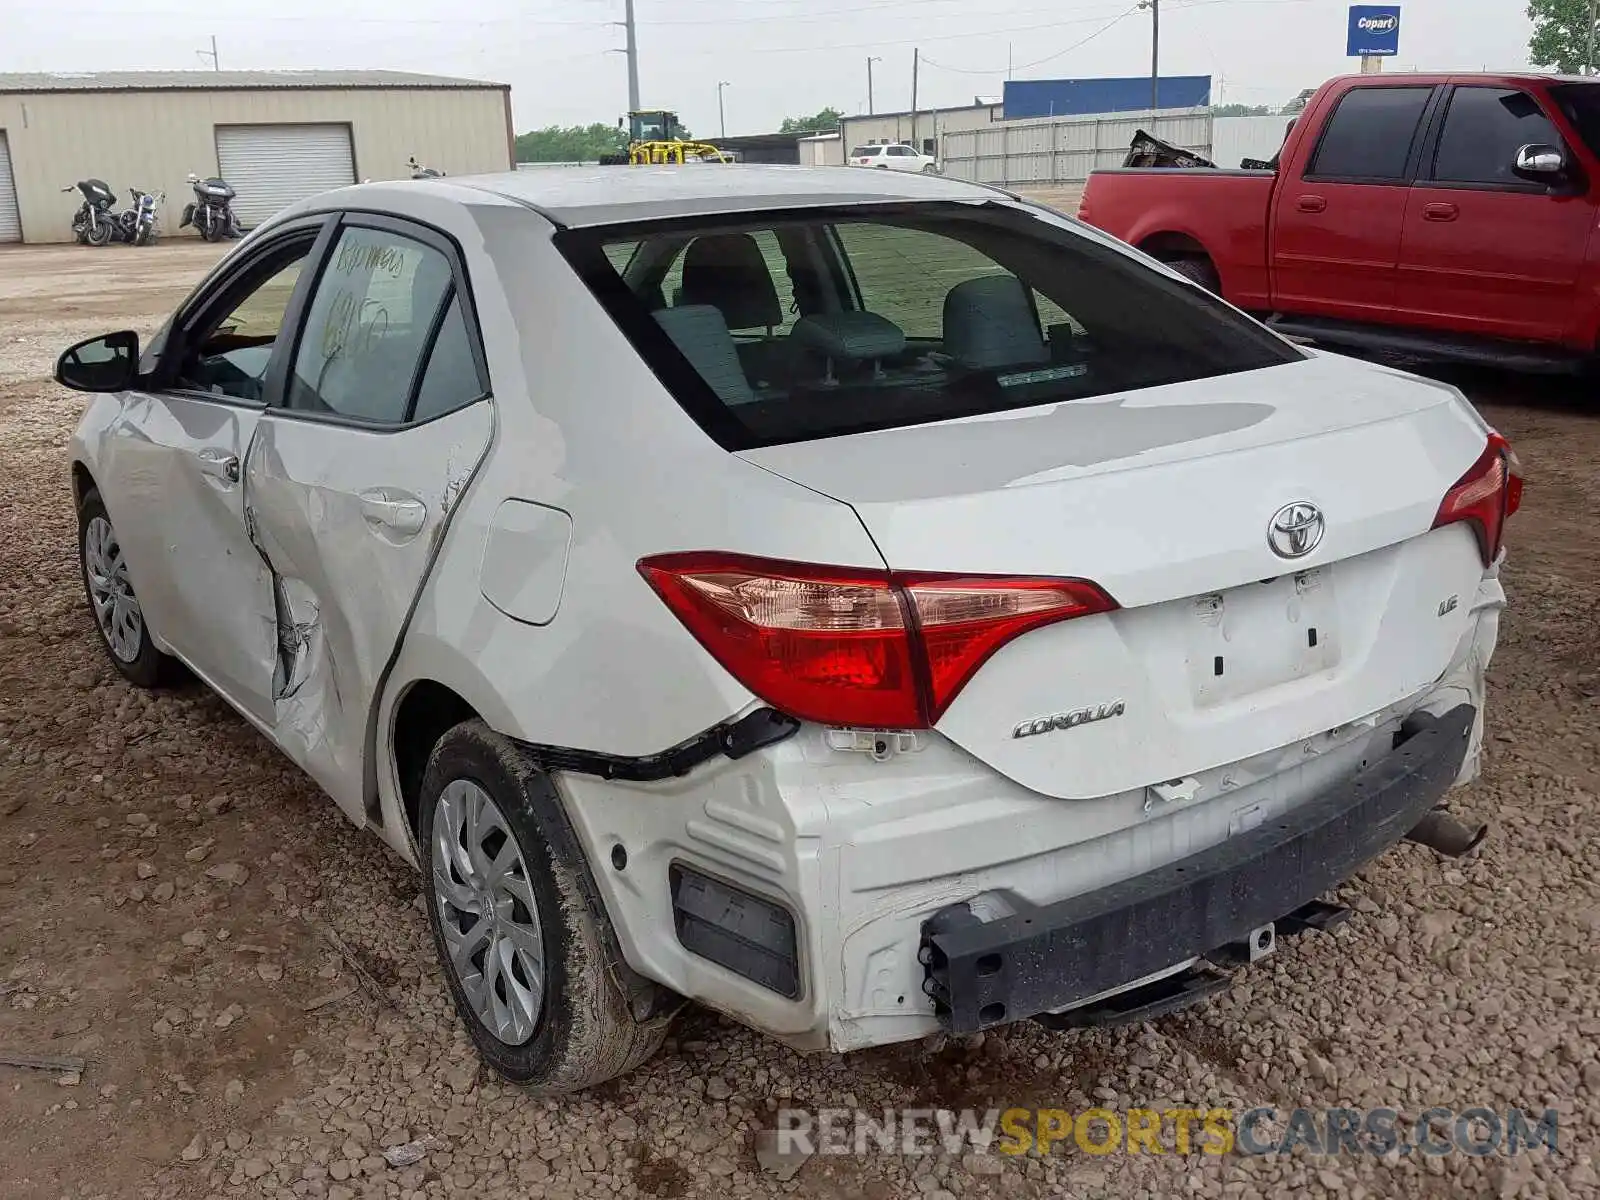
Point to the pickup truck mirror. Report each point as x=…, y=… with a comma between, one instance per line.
x=1541, y=162
x=102, y=364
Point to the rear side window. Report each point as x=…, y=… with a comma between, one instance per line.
x=863, y=152
x=450, y=380
x=1483, y=131
x=385, y=340
x=900, y=317
x=1581, y=104
x=1370, y=135
x=368, y=325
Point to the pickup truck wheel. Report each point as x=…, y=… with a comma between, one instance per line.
x=522, y=945
x=1199, y=271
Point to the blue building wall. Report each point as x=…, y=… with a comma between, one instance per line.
x=1077, y=97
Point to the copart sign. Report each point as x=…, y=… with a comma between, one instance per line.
x=1374, y=30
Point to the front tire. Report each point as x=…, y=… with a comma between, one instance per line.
x=522, y=945
x=117, y=615
x=98, y=234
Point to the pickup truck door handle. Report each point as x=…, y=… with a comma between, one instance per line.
x=1440, y=211
x=216, y=462
x=393, y=511
x=1311, y=204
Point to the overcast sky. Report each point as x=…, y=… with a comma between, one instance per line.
x=779, y=57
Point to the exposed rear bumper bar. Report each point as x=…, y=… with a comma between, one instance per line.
x=1044, y=958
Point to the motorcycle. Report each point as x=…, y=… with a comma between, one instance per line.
x=140, y=224
x=211, y=213
x=418, y=171
x=94, y=224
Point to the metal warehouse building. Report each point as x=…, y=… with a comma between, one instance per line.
x=276, y=136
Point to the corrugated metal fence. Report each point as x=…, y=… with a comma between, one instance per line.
x=1064, y=149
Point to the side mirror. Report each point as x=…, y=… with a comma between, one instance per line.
x=1541, y=162
x=102, y=364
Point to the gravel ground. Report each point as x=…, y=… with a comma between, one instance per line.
x=251, y=981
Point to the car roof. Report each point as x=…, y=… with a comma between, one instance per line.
x=1511, y=78
x=582, y=197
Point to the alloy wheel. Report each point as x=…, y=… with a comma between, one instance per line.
x=487, y=912
x=116, y=608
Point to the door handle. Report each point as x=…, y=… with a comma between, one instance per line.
x=393, y=511
x=1440, y=211
x=1311, y=204
x=215, y=462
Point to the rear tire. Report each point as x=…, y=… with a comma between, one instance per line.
x=1198, y=271
x=534, y=983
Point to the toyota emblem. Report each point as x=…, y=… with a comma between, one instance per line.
x=1296, y=529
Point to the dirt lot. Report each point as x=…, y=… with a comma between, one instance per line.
x=251, y=983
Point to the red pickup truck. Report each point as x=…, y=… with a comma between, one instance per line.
x=1440, y=215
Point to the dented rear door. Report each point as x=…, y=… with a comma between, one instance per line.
x=353, y=476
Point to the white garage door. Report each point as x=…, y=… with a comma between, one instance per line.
x=271, y=166
x=10, y=223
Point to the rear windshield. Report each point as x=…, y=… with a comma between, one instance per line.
x=813, y=325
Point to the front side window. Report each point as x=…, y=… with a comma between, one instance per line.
x=1483, y=131
x=901, y=317
x=230, y=358
x=1370, y=134
x=369, y=323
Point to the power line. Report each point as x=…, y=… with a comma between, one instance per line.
x=1117, y=20
x=922, y=39
x=814, y=14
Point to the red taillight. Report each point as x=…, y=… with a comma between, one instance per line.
x=848, y=647
x=1485, y=496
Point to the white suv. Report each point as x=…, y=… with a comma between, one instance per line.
x=894, y=156
x=866, y=608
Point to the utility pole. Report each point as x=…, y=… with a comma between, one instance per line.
x=216, y=63
x=632, y=52
x=916, y=60
x=722, y=119
x=1155, y=51
x=870, y=61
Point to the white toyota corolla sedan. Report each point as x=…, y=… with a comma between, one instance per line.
x=863, y=603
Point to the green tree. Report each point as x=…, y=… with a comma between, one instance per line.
x=571, y=143
x=825, y=121
x=1560, y=34
x=1241, y=110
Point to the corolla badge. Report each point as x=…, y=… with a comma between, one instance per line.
x=1070, y=720
x=1296, y=529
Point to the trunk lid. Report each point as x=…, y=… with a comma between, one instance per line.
x=1222, y=649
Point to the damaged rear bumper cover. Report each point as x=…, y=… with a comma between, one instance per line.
x=1045, y=958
